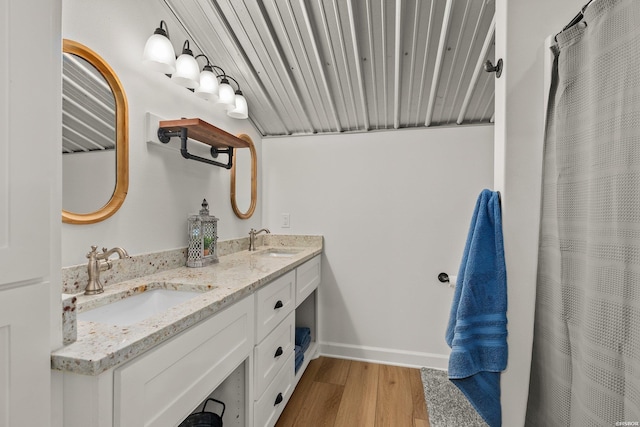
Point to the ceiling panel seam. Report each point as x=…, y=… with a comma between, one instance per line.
x=372, y=61
x=334, y=62
x=452, y=68
x=423, y=75
x=385, y=78
x=343, y=50
x=439, y=58
x=398, y=65
x=414, y=50
x=352, y=26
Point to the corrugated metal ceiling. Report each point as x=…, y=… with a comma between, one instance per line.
x=318, y=66
x=88, y=108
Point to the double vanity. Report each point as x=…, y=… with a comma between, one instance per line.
x=162, y=338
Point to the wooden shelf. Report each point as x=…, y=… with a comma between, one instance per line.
x=204, y=132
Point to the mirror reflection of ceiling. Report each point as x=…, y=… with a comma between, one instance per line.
x=331, y=66
x=88, y=108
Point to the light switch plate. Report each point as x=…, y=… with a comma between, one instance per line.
x=285, y=220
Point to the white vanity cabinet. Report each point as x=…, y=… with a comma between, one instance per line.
x=243, y=355
x=283, y=304
x=162, y=387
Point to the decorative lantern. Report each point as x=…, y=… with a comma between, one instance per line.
x=203, y=238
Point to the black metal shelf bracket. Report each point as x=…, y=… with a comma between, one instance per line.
x=165, y=135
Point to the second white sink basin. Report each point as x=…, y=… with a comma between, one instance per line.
x=136, y=308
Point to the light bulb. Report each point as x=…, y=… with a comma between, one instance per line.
x=187, y=70
x=208, y=88
x=227, y=97
x=158, y=52
x=241, y=111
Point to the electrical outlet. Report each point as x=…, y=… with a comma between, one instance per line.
x=285, y=221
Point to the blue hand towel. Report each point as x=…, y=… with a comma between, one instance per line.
x=305, y=343
x=477, y=329
x=301, y=334
x=303, y=337
x=299, y=358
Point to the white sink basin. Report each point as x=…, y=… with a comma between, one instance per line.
x=280, y=253
x=136, y=308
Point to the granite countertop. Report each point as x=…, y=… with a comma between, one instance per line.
x=100, y=347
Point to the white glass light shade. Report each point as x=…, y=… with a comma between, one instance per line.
x=227, y=96
x=242, y=109
x=208, y=88
x=187, y=71
x=159, y=54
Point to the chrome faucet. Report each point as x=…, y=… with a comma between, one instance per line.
x=252, y=237
x=100, y=262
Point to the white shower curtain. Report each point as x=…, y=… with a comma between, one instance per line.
x=586, y=352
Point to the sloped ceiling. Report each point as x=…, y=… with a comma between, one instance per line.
x=326, y=66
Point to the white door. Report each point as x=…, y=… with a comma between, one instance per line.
x=29, y=133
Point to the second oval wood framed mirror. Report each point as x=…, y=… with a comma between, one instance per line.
x=95, y=137
x=244, y=180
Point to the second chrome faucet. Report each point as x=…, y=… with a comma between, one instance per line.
x=252, y=237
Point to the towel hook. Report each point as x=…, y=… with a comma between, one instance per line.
x=490, y=68
x=443, y=277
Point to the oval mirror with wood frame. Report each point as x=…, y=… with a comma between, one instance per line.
x=95, y=121
x=235, y=192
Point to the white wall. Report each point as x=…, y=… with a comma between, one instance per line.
x=521, y=29
x=394, y=208
x=164, y=188
x=82, y=195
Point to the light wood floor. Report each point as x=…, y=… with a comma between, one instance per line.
x=344, y=393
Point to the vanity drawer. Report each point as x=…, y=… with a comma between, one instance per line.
x=272, y=353
x=274, y=302
x=268, y=408
x=307, y=279
x=161, y=387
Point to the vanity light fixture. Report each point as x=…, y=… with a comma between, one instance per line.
x=206, y=84
x=158, y=51
x=240, y=109
x=187, y=70
x=227, y=98
x=208, y=88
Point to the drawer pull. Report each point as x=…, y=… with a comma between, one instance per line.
x=279, y=304
x=278, y=352
x=278, y=399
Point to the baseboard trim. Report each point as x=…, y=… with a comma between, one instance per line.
x=384, y=356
